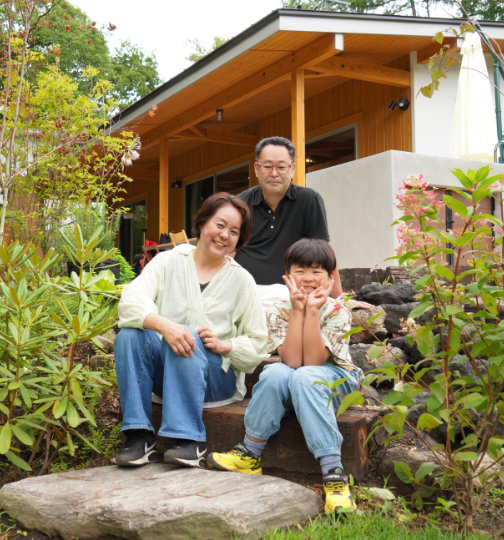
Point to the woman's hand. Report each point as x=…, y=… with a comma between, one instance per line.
x=297, y=297
x=210, y=341
x=318, y=297
x=178, y=336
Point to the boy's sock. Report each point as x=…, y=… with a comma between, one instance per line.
x=255, y=448
x=329, y=463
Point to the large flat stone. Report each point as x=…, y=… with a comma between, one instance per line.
x=156, y=501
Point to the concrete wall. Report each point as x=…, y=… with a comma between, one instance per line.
x=359, y=198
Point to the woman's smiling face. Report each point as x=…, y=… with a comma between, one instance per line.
x=220, y=234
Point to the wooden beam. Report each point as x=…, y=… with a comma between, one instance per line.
x=225, y=137
x=163, y=186
x=315, y=52
x=298, y=123
x=352, y=69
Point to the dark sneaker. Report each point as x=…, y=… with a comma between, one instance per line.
x=187, y=453
x=337, y=492
x=138, y=449
x=237, y=460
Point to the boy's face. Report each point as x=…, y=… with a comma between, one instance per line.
x=309, y=278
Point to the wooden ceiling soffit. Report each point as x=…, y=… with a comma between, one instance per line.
x=362, y=71
x=211, y=135
x=423, y=55
x=141, y=173
x=315, y=52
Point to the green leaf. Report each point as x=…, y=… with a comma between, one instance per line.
x=464, y=456
x=22, y=436
x=60, y=409
x=72, y=415
x=495, y=447
x=17, y=461
x=403, y=472
x=375, y=351
x=420, y=309
x=354, y=398
x=426, y=422
x=463, y=178
x=70, y=443
x=474, y=399
x=455, y=205
x=424, y=470
x=5, y=438
x=425, y=340
x=444, y=271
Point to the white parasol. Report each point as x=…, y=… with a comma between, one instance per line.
x=474, y=132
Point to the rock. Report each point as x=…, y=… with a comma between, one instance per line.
x=359, y=351
x=107, y=342
x=396, y=312
x=411, y=352
x=381, y=493
x=371, y=330
x=156, y=501
x=412, y=455
x=398, y=293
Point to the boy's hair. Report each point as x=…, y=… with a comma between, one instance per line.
x=308, y=252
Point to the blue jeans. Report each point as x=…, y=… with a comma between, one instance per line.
x=144, y=364
x=282, y=388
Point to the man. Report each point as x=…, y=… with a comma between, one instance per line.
x=282, y=213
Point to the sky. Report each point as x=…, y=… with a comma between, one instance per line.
x=163, y=27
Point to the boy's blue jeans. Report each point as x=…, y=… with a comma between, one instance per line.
x=144, y=364
x=282, y=388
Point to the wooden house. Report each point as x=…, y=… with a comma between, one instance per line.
x=342, y=86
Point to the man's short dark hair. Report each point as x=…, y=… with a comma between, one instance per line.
x=275, y=141
x=308, y=252
x=210, y=207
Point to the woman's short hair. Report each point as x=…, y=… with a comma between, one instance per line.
x=308, y=252
x=212, y=204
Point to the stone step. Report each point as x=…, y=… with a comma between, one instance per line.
x=286, y=450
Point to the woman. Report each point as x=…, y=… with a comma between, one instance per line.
x=205, y=307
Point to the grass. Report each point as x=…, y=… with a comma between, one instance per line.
x=366, y=525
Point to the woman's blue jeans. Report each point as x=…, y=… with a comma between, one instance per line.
x=146, y=363
x=282, y=388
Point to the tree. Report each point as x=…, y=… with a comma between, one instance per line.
x=199, y=49
x=132, y=74
x=69, y=39
x=490, y=10
x=53, y=151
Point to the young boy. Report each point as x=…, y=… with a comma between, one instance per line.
x=307, y=332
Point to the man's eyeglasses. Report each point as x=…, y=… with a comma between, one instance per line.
x=267, y=169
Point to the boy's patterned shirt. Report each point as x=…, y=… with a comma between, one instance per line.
x=335, y=321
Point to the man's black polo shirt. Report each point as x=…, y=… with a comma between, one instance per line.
x=300, y=214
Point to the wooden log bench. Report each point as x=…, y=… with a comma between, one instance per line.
x=286, y=451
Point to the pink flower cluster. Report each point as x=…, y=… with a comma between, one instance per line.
x=416, y=200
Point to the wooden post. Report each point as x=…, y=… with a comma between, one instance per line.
x=298, y=123
x=163, y=186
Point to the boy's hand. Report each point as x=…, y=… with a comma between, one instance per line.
x=297, y=297
x=318, y=297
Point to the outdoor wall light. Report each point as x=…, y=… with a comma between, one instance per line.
x=220, y=114
x=402, y=103
x=176, y=184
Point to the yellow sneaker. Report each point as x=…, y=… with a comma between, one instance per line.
x=337, y=492
x=236, y=460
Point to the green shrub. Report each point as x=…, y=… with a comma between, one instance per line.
x=44, y=392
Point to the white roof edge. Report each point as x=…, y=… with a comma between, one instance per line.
x=398, y=26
